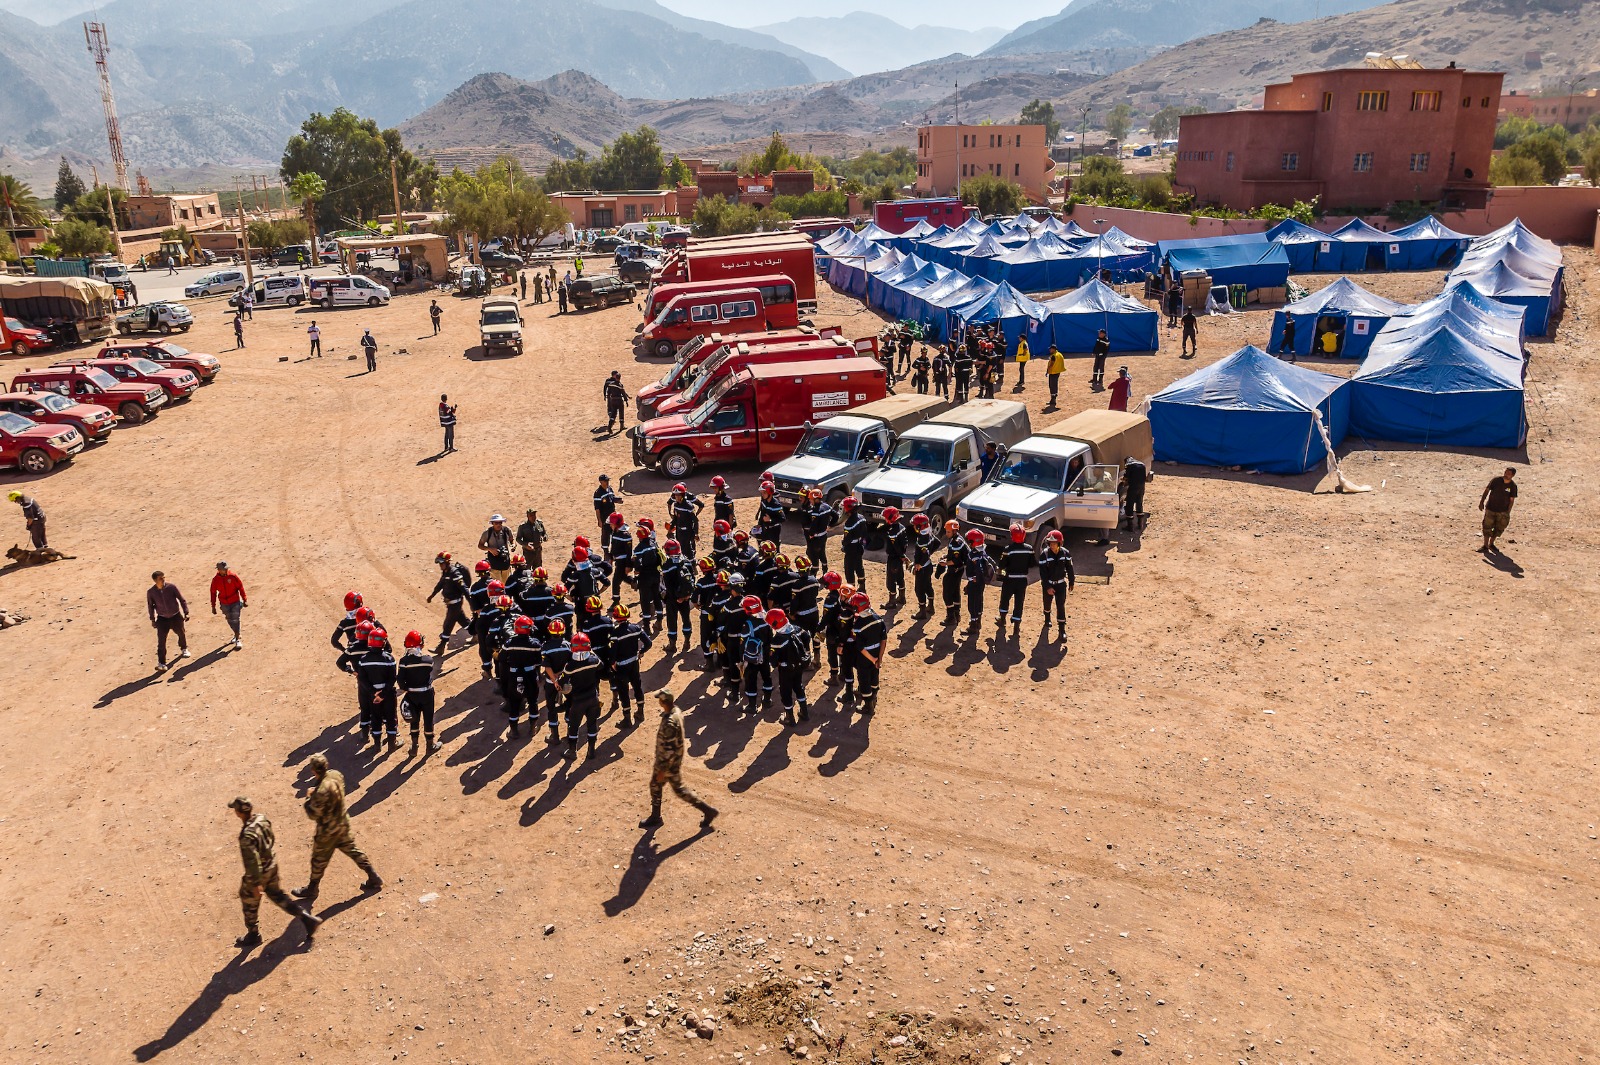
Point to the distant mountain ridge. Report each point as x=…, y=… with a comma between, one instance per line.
x=864, y=42
x=1157, y=23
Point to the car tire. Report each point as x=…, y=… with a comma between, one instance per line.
x=164, y=328
x=327, y=303
x=36, y=462
x=19, y=349
x=937, y=516
x=1040, y=533
x=132, y=413
x=124, y=330
x=665, y=349
x=677, y=463
x=184, y=328
x=373, y=301
x=293, y=301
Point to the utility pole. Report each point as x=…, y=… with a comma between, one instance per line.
x=394, y=182
x=244, y=238
x=116, y=234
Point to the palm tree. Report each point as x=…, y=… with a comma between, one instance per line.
x=18, y=204
x=308, y=188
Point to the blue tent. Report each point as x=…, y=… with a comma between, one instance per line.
x=874, y=232
x=903, y=297
x=1128, y=241
x=1045, y=264
x=1301, y=244
x=946, y=248
x=1439, y=385
x=1354, y=314
x=1016, y=313
x=1463, y=308
x=882, y=288
x=1250, y=410
x=975, y=260
x=907, y=242
x=851, y=273
x=1424, y=245
x=1125, y=262
x=929, y=303
x=1364, y=247
x=1076, y=318
x=1247, y=259
x=1499, y=282
x=1520, y=237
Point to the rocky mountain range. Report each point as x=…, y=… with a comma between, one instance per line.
x=1156, y=23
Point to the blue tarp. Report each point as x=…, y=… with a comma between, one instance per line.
x=906, y=242
x=1124, y=261
x=975, y=259
x=1356, y=246
x=904, y=296
x=850, y=274
x=1425, y=245
x=1016, y=313
x=1249, y=260
x=1299, y=242
x=874, y=232
x=1076, y=318
x=880, y=285
x=1038, y=266
x=1520, y=237
x=1357, y=315
x=1250, y=410
x=1463, y=308
x=1499, y=282
x=947, y=248
x=1436, y=383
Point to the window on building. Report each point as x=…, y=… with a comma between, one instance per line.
x=1327, y=101
x=1466, y=101
x=1228, y=162
x=1291, y=161
x=1363, y=162
x=1485, y=102
x=630, y=212
x=1419, y=162
x=1373, y=100
x=1426, y=100
x=1016, y=169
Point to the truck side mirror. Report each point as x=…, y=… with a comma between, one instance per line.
x=962, y=465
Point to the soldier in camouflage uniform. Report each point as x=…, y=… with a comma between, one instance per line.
x=669, y=765
x=257, y=848
x=326, y=807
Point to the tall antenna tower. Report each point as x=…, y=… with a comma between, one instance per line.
x=94, y=33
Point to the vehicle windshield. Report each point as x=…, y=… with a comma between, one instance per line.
x=1034, y=471
x=920, y=455
x=14, y=325
x=505, y=317
x=145, y=366
x=172, y=351
x=52, y=402
x=99, y=378
x=823, y=442
x=719, y=390
x=14, y=423
x=209, y=279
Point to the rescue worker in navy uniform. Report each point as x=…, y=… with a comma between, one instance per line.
x=964, y=358
x=1015, y=564
x=683, y=512
x=722, y=544
x=730, y=627
x=708, y=590
x=755, y=662
x=743, y=559
x=854, y=542
x=677, y=592
x=616, y=402
x=647, y=564
x=923, y=546
x=763, y=571
x=1056, y=579
x=345, y=631
x=629, y=642
x=605, y=502
x=415, y=680
x=378, y=672
x=478, y=594
x=844, y=620
x=619, y=552
x=349, y=662
x=780, y=590
x=831, y=633
x=791, y=653
x=487, y=624
x=506, y=607
x=896, y=539
x=867, y=633
x=817, y=518
x=580, y=687
x=978, y=572
x=804, y=600
x=453, y=584
x=1135, y=475
x=919, y=371
x=554, y=654
x=721, y=501
x=536, y=598
x=598, y=627
x=585, y=577
x=769, y=515
x=941, y=373
x=952, y=567
x=521, y=659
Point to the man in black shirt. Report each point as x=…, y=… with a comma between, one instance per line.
x=616, y=402
x=677, y=592
x=1498, y=497
x=453, y=584
x=605, y=502
x=854, y=543
x=866, y=635
x=1102, y=345
x=1191, y=335
x=896, y=538
x=818, y=517
x=377, y=671
x=580, y=685
x=521, y=659
x=1055, y=579
x=629, y=642
x=1014, y=566
x=415, y=682
x=1135, y=475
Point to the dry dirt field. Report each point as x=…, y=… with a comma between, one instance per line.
x=1311, y=780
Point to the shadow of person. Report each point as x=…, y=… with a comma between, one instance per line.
x=123, y=690
x=216, y=654
x=326, y=739
x=1503, y=562
x=386, y=785
x=847, y=741
x=642, y=867
x=1005, y=650
x=237, y=976
x=910, y=636
x=1046, y=655
x=567, y=777
x=768, y=762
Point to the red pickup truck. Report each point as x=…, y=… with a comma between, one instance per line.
x=21, y=339
x=756, y=414
x=133, y=402
x=166, y=354
x=48, y=408
x=35, y=448
x=178, y=384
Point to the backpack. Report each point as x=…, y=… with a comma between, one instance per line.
x=753, y=647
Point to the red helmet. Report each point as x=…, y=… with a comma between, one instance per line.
x=802, y=563
x=615, y=520
x=751, y=605
x=647, y=523
x=781, y=561
x=522, y=625
x=767, y=547
x=377, y=638
x=718, y=482
x=974, y=537
x=482, y=567
x=891, y=513
x=707, y=564
x=353, y=599
x=504, y=602
x=518, y=560
x=362, y=629
x=767, y=488
x=847, y=592
x=1018, y=533
x=558, y=590
x=364, y=614
x=681, y=487
x=580, y=641
x=952, y=526
x=722, y=577
x=859, y=601
x=721, y=528
x=580, y=554
x=741, y=537
x=541, y=574
x=815, y=493
x=413, y=639
x=832, y=579
x=581, y=541
x=672, y=547
x=848, y=503
x=592, y=604
x=620, y=612
x=555, y=627
x=495, y=588
x=1054, y=536
x=642, y=532
x=442, y=556
x=777, y=618
x=919, y=521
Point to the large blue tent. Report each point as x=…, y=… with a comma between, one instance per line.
x=1427, y=244
x=850, y=272
x=1250, y=410
x=1438, y=385
x=1247, y=259
x=1364, y=247
x=975, y=259
x=874, y=232
x=1460, y=307
x=1352, y=313
x=1299, y=242
x=907, y=242
x=1041, y=265
x=905, y=296
x=1125, y=262
x=1017, y=314
x=1077, y=317
x=1500, y=282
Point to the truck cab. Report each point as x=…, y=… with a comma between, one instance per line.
x=179, y=385
x=834, y=454
x=19, y=339
x=86, y=384
x=33, y=448
x=935, y=465
x=500, y=325
x=158, y=316
x=165, y=354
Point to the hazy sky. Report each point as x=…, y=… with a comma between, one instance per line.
x=959, y=13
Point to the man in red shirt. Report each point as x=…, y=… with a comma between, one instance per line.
x=1120, y=389
x=227, y=590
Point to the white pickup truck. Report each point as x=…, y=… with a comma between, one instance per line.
x=1068, y=474
x=933, y=466
x=837, y=452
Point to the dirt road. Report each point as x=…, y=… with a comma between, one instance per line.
x=1311, y=780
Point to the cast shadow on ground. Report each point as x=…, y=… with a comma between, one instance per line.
x=237, y=976
x=1504, y=563
x=642, y=866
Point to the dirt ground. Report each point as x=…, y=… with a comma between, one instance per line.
x=1310, y=781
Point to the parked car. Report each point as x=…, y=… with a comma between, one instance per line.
x=165, y=354
x=179, y=385
x=599, y=290
x=286, y=291
x=20, y=339
x=474, y=281
x=292, y=255
x=219, y=283
x=48, y=408
x=350, y=291
x=158, y=316
x=132, y=401
x=35, y=448
x=638, y=271
x=501, y=260
x=606, y=245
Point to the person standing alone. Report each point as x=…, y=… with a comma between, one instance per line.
x=1120, y=388
x=1102, y=346
x=1054, y=364
x=168, y=611
x=369, y=346
x=447, y=421
x=1498, y=497
x=435, y=312
x=227, y=591
x=616, y=402
x=315, y=335
x=32, y=517
x=1191, y=335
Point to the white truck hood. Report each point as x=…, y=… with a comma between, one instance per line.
x=906, y=484
x=1011, y=500
x=808, y=470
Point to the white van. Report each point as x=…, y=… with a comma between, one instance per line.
x=288, y=291
x=217, y=284
x=351, y=291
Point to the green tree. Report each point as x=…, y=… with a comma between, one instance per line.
x=993, y=195
x=78, y=236
x=898, y=166
x=308, y=187
x=91, y=207
x=25, y=206
x=499, y=200
x=1042, y=113
x=1153, y=190
x=818, y=204
x=8, y=250
x=1164, y=123
x=632, y=161
x=1119, y=120
x=1514, y=129
x=571, y=175
x=1102, y=179
x=1508, y=169
x=677, y=173
x=709, y=212
x=1590, y=154
x=1548, y=149
x=69, y=186
x=353, y=156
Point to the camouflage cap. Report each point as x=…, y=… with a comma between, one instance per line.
x=665, y=698
x=240, y=803
x=318, y=761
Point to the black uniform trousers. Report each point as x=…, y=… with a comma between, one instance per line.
x=817, y=551
x=455, y=616
x=678, y=616
x=584, y=710
x=896, y=575
x=854, y=572
x=792, y=688
x=1056, y=590
x=924, y=584
x=419, y=706
x=625, y=677
x=1013, y=590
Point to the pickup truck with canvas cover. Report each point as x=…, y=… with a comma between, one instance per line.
x=837, y=452
x=934, y=466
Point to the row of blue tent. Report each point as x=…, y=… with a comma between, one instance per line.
x=1446, y=372
x=1356, y=246
x=1515, y=265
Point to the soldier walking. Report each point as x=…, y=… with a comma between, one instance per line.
x=258, y=849
x=668, y=767
x=453, y=584
x=326, y=807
